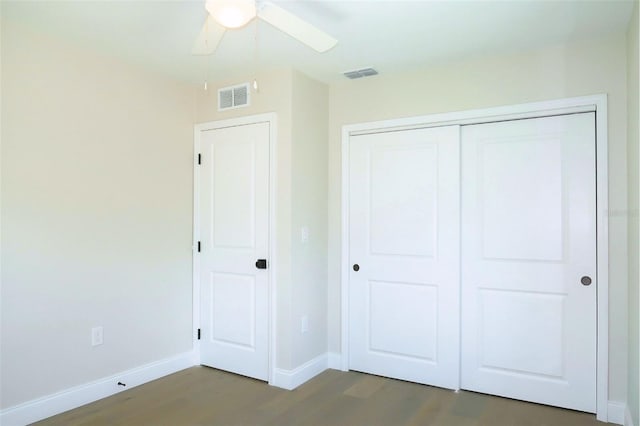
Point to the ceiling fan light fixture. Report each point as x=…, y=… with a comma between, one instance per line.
x=232, y=13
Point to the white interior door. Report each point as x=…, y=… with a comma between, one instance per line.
x=234, y=221
x=404, y=239
x=528, y=239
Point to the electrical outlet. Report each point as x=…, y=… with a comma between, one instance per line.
x=96, y=336
x=304, y=324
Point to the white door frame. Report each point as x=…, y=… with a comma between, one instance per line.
x=595, y=103
x=270, y=118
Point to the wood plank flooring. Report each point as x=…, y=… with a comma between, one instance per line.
x=205, y=396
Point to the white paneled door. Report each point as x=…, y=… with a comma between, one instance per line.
x=529, y=260
x=404, y=255
x=234, y=226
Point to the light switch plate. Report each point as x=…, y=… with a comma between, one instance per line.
x=96, y=336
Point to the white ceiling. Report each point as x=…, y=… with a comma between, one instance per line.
x=387, y=35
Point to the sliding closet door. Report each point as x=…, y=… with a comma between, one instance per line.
x=529, y=260
x=404, y=254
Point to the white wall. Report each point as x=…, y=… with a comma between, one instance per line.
x=585, y=68
x=633, y=159
x=96, y=214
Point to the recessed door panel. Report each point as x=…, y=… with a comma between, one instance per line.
x=413, y=332
x=515, y=345
x=406, y=201
x=522, y=207
x=233, y=205
x=233, y=296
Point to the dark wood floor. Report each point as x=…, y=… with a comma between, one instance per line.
x=204, y=396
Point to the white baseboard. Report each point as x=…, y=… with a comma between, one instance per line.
x=50, y=405
x=59, y=402
x=628, y=420
x=335, y=361
x=291, y=379
x=615, y=412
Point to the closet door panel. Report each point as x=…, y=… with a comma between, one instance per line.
x=528, y=239
x=404, y=239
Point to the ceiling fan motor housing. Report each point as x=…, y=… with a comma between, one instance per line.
x=232, y=13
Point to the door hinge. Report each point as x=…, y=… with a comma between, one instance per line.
x=199, y=158
x=198, y=334
x=198, y=246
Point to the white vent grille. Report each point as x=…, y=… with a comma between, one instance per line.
x=225, y=99
x=233, y=97
x=364, y=72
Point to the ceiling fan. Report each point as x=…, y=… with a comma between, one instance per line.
x=232, y=14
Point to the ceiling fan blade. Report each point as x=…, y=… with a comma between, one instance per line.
x=209, y=37
x=296, y=27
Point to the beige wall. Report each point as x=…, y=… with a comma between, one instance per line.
x=274, y=95
x=96, y=214
x=97, y=217
x=309, y=208
x=96, y=170
x=590, y=67
x=301, y=107
x=633, y=160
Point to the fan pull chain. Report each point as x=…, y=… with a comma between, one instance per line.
x=206, y=44
x=255, y=57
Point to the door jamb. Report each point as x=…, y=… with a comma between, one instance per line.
x=270, y=118
x=595, y=103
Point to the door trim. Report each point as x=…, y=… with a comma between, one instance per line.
x=595, y=103
x=270, y=118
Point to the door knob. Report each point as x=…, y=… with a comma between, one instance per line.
x=585, y=280
x=356, y=267
x=261, y=263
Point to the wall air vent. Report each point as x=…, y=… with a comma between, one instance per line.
x=364, y=72
x=233, y=97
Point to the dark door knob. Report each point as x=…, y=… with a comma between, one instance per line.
x=356, y=267
x=261, y=264
x=585, y=280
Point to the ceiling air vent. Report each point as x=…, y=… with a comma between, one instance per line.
x=233, y=97
x=364, y=72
